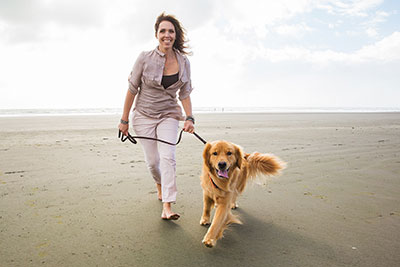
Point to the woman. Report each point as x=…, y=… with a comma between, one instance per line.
x=156, y=79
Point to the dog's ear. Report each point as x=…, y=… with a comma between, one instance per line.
x=239, y=155
x=206, y=156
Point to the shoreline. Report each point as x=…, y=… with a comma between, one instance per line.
x=4, y=113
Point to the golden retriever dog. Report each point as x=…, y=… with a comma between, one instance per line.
x=226, y=171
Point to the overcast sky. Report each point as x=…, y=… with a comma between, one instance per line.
x=287, y=53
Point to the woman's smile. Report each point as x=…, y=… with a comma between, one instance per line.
x=166, y=35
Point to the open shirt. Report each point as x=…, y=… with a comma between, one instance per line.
x=153, y=100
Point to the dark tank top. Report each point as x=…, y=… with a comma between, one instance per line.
x=168, y=80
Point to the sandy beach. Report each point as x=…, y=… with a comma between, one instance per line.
x=71, y=194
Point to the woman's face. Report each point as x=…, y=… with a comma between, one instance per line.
x=166, y=35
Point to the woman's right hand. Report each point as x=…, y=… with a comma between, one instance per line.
x=123, y=128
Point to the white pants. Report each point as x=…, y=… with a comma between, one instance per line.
x=160, y=157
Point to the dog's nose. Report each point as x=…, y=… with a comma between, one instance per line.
x=222, y=165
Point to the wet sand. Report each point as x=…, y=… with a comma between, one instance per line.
x=71, y=194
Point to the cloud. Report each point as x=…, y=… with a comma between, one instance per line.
x=296, y=30
x=385, y=50
x=254, y=16
x=380, y=16
x=137, y=18
x=24, y=21
x=356, y=8
x=372, y=24
x=371, y=32
x=78, y=13
x=27, y=20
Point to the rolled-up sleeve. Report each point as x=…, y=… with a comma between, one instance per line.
x=135, y=77
x=186, y=88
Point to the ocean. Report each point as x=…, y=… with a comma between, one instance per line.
x=196, y=110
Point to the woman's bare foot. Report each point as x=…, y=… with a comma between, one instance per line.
x=159, y=194
x=167, y=213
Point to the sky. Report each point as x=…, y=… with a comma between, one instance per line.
x=287, y=53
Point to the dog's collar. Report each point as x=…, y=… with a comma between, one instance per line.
x=212, y=181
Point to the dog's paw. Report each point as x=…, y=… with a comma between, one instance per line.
x=205, y=221
x=209, y=242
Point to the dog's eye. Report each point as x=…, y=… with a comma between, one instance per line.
x=229, y=153
x=215, y=153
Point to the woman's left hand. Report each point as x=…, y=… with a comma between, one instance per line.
x=188, y=126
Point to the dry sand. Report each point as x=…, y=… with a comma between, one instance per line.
x=71, y=194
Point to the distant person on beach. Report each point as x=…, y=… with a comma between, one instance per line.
x=158, y=78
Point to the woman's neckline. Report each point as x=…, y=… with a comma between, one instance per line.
x=171, y=74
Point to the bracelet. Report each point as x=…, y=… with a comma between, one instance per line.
x=124, y=122
x=189, y=118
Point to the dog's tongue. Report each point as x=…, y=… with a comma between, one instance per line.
x=223, y=173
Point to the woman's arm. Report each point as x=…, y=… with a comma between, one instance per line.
x=129, y=98
x=187, y=107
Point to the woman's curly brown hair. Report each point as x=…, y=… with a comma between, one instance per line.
x=180, y=40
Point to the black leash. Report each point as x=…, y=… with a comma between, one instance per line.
x=132, y=138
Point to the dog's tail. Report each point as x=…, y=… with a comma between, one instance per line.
x=266, y=164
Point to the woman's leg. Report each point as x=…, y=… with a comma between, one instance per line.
x=167, y=130
x=147, y=127
x=159, y=191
